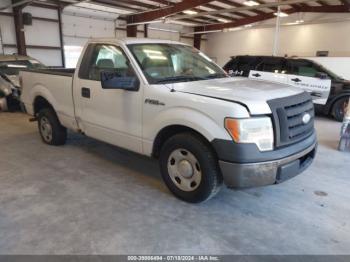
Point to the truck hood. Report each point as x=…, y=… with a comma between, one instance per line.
x=252, y=93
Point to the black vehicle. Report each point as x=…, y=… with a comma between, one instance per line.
x=340, y=88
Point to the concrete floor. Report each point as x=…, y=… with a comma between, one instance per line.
x=88, y=197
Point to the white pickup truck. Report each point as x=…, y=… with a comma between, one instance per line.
x=170, y=101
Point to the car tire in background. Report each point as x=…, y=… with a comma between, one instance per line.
x=189, y=168
x=339, y=108
x=50, y=128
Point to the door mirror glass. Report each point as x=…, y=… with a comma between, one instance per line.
x=114, y=80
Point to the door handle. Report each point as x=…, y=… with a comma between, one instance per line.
x=256, y=75
x=296, y=80
x=85, y=92
x=316, y=94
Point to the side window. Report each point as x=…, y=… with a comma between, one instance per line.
x=303, y=68
x=106, y=58
x=272, y=66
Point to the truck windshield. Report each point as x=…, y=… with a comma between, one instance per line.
x=13, y=67
x=171, y=63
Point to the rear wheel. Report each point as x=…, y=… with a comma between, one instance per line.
x=189, y=168
x=50, y=129
x=339, y=108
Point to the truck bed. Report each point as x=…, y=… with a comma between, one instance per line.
x=53, y=71
x=56, y=85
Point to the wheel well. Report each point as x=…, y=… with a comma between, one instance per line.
x=170, y=131
x=330, y=111
x=40, y=103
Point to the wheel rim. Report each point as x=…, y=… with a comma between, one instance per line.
x=184, y=170
x=343, y=107
x=45, y=129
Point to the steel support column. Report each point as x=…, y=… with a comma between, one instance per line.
x=59, y=14
x=19, y=27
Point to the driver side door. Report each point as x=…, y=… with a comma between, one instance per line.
x=110, y=115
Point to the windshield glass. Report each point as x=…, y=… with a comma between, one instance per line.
x=13, y=67
x=170, y=63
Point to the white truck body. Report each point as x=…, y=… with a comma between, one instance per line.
x=134, y=119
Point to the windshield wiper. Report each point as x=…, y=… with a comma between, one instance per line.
x=179, y=79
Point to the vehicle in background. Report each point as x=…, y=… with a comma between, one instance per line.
x=337, y=100
x=10, y=88
x=170, y=101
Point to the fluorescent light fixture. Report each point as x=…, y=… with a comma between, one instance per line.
x=297, y=22
x=250, y=25
x=281, y=14
x=149, y=22
x=164, y=30
x=99, y=7
x=250, y=3
x=190, y=12
x=223, y=20
x=232, y=29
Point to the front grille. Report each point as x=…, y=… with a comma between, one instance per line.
x=287, y=116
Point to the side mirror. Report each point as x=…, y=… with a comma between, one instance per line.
x=113, y=80
x=322, y=75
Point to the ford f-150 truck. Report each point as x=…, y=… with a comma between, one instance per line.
x=170, y=101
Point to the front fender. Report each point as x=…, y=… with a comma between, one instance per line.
x=187, y=117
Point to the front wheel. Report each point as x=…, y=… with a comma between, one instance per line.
x=50, y=129
x=339, y=108
x=190, y=168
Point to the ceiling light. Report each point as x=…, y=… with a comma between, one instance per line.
x=164, y=30
x=223, y=20
x=281, y=14
x=190, y=12
x=250, y=25
x=297, y=22
x=250, y=3
x=232, y=29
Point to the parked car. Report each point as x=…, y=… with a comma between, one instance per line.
x=10, y=89
x=170, y=101
x=338, y=97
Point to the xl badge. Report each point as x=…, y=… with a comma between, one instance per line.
x=306, y=118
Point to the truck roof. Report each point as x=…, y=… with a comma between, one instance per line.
x=134, y=40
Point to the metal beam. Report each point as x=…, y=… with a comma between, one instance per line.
x=166, y=11
x=197, y=41
x=325, y=9
x=59, y=14
x=241, y=22
x=244, y=8
x=19, y=27
x=258, y=18
x=131, y=31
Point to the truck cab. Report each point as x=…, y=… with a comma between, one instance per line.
x=167, y=100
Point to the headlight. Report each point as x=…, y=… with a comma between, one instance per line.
x=257, y=130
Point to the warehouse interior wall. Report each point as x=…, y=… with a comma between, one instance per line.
x=296, y=40
x=78, y=27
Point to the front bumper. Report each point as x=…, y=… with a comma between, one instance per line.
x=240, y=175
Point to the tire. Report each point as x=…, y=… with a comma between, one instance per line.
x=50, y=129
x=190, y=168
x=339, y=108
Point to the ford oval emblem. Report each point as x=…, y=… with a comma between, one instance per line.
x=306, y=118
